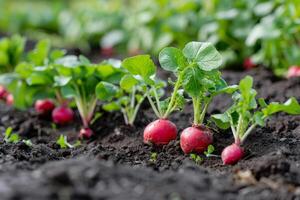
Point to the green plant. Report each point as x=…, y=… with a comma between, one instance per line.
x=11, y=137
x=62, y=141
x=196, y=158
x=78, y=78
x=11, y=52
x=245, y=114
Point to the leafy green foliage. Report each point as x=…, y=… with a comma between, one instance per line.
x=78, y=78
x=209, y=151
x=34, y=78
x=62, y=141
x=196, y=158
x=130, y=92
x=11, y=52
x=11, y=137
x=196, y=70
x=246, y=113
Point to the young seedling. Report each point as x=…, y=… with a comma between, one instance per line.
x=153, y=157
x=196, y=158
x=245, y=114
x=62, y=141
x=196, y=69
x=209, y=151
x=11, y=137
x=161, y=131
x=78, y=78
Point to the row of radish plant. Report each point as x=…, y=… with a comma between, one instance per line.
x=53, y=81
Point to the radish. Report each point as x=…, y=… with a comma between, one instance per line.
x=85, y=133
x=107, y=51
x=62, y=115
x=160, y=132
x=44, y=107
x=3, y=92
x=294, y=71
x=9, y=99
x=232, y=154
x=248, y=64
x=195, y=139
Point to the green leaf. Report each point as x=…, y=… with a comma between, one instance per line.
x=62, y=142
x=7, y=133
x=14, y=138
x=141, y=65
x=291, y=106
x=209, y=151
x=127, y=82
x=204, y=54
x=259, y=118
x=246, y=85
x=62, y=80
x=262, y=102
x=221, y=120
x=172, y=59
x=39, y=55
x=113, y=106
x=106, y=91
x=192, y=81
x=38, y=79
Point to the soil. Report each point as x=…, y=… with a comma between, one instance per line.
x=115, y=164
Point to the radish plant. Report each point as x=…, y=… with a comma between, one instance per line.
x=32, y=79
x=245, y=114
x=128, y=95
x=77, y=78
x=196, y=69
x=143, y=70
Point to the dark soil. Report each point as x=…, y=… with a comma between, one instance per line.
x=115, y=164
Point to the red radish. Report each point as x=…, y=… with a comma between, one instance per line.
x=3, y=92
x=62, y=115
x=232, y=154
x=248, y=64
x=294, y=71
x=195, y=139
x=85, y=133
x=9, y=99
x=107, y=51
x=160, y=132
x=44, y=106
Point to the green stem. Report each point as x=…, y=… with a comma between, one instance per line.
x=203, y=113
x=125, y=116
x=197, y=108
x=173, y=97
x=157, y=101
x=136, y=109
x=153, y=106
x=59, y=97
x=132, y=102
x=247, y=133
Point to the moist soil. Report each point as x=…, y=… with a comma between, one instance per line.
x=115, y=164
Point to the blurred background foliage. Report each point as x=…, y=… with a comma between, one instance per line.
x=267, y=31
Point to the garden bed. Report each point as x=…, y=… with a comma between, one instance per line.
x=116, y=164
